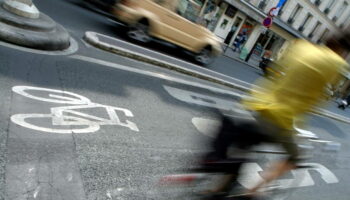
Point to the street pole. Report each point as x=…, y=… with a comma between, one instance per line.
x=23, y=24
x=24, y=8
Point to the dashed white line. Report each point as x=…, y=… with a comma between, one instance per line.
x=153, y=74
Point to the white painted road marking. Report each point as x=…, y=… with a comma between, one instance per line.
x=208, y=101
x=71, y=49
x=207, y=127
x=59, y=115
x=60, y=99
x=302, y=177
x=320, y=112
x=154, y=74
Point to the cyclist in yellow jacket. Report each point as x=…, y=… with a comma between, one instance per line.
x=309, y=68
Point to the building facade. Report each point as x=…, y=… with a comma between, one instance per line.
x=313, y=20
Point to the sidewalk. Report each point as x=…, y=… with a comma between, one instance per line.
x=252, y=62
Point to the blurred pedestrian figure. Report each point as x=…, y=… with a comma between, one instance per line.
x=344, y=103
x=240, y=39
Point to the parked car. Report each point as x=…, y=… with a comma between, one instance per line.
x=169, y=20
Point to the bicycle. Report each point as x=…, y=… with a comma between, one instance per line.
x=192, y=182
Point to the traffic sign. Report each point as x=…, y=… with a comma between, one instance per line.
x=267, y=22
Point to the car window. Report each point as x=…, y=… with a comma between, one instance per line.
x=160, y=2
x=189, y=9
x=169, y=4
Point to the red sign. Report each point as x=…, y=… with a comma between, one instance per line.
x=267, y=22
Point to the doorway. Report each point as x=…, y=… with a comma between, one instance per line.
x=236, y=25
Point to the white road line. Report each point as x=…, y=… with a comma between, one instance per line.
x=164, y=55
x=154, y=74
x=85, y=43
x=191, y=83
x=72, y=49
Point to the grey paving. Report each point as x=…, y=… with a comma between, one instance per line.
x=116, y=162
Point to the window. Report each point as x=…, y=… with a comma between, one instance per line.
x=340, y=11
x=323, y=36
x=305, y=23
x=329, y=6
x=318, y=2
x=282, y=8
x=346, y=20
x=294, y=14
x=230, y=11
x=317, y=26
x=262, y=4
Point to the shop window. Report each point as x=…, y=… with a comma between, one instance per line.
x=212, y=17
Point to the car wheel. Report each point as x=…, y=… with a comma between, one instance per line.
x=205, y=57
x=139, y=32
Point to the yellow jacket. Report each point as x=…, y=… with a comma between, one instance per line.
x=309, y=68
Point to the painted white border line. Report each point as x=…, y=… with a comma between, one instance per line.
x=94, y=37
x=320, y=112
x=73, y=47
x=154, y=74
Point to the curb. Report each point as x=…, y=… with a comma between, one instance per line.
x=92, y=39
x=41, y=33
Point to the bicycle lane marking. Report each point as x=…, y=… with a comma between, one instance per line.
x=60, y=117
x=40, y=166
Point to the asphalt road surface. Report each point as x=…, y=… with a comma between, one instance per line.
x=93, y=125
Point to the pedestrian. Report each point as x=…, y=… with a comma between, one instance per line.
x=240, y=39
x=344, y=102
x=309, y=68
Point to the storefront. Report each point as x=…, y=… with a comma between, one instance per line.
x=233, y=25
x=268, y=43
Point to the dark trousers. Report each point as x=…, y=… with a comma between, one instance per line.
x=242, y=134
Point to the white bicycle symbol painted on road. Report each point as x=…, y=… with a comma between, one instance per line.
x=63, y=115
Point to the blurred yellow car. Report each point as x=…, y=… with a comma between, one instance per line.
x=169, y=20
